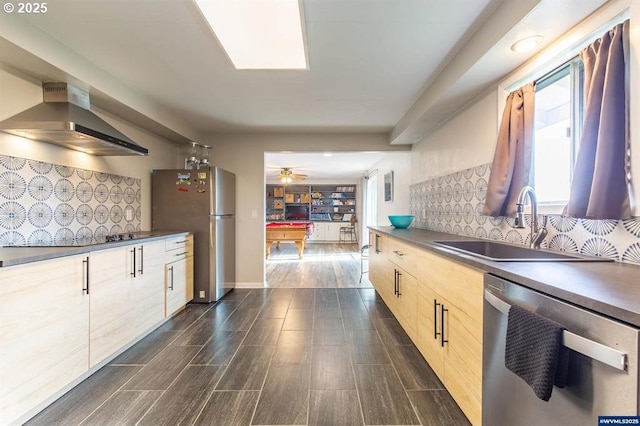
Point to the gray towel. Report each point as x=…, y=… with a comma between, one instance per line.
x=534, y=351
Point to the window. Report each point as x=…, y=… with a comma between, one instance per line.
x=558, y=121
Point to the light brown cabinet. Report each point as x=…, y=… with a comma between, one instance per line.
x=438, y=302
x=44, y=332
x=404, y=259
x=392, y=270
x=378, y=262
x=450, y=328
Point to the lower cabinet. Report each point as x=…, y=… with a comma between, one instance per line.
x=111, y=311
x=178, y=274
x=450, y=328
x=438, y=302
x=378, y=262
x=60, y=318
x=175, y=286
x=44, y=332
x=127, y=295
x=326, y=231
x=403, y=259
x=189, y=278
x=406, y=305
x=147, y=290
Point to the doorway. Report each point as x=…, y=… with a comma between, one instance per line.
x=328, y=260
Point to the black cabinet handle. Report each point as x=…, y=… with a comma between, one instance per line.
x=377, y=247
x=442, y=339
x=395, y=282
x=85, y=267
x=133, y=254
x=141, y=250
x=171, y=280
x=398, y=294
x=435, y=319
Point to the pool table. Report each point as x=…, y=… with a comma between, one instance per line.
x=287, y=231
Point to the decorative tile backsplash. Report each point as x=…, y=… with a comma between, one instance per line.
x=453, y=204
x=48, y=204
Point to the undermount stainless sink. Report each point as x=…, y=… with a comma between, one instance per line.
x=504, y=252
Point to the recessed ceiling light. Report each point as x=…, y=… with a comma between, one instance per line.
x=327, y=154
x=526, y=44
x=258, y=34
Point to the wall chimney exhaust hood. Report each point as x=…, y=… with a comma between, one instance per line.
x=64, y=119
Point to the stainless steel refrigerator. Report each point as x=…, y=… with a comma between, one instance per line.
x=201, y=201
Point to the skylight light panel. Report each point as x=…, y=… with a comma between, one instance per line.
x=258, y=34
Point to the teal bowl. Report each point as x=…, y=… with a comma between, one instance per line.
x=401, y=221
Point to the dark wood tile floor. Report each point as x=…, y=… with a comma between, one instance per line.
x=267, y=357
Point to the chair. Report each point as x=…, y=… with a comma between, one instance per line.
x=364, y=255
x=349, y=232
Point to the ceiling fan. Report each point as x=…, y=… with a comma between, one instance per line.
x=287, y=175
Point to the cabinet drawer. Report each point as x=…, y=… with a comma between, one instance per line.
x=403, y=255
x=178, y=243
x=178, y=248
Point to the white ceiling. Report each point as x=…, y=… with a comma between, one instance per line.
x=369, y=60
x=398, y=67
x=317, y=166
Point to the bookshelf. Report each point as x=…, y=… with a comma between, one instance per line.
x=274, y=199
x=333, y=203
x=318, y=203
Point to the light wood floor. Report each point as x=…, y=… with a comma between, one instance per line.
x=324, y=265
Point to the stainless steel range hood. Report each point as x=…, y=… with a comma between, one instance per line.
x=64, y=119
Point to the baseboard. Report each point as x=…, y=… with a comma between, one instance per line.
x=250, y=285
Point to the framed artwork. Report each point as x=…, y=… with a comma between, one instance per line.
x=388, y=187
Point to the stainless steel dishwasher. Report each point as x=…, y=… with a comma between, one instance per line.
x=603, y=367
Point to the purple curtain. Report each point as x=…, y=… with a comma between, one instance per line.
x=600, y=188
x=511, y=168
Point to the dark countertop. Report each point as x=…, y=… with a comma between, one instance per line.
x=608, y=288
x=10, y=256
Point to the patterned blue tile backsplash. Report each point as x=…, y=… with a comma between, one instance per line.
x=48, y=204
x=453, y=204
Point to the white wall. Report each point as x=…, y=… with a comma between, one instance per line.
x=19, y=94
x=243, y=154
x=464, y=142
x=400, y=164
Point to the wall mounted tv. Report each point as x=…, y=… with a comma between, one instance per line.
x=296, y=213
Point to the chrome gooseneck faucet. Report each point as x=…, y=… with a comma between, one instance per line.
x=536, y=234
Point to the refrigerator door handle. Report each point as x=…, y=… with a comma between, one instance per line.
x=211, y=242
x=211, y=195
